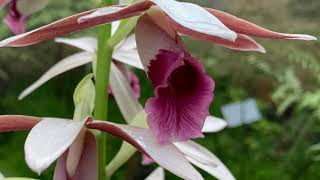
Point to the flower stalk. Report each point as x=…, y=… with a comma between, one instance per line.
x=104, y=58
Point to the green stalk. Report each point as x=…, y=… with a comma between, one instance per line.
x=104, y=58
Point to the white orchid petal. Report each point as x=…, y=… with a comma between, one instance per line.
x=64, y=65
x=204, y=159
x=48, y=140
x=196, y=18
x=213, y=124
x=129, y=57
x=157, y=174
x=88, y=44
x=124, y=96
x=167, y=156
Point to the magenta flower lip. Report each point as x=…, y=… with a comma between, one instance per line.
x=183, y=93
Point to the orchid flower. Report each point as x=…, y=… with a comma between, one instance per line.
x=72, y=143
x=125, y=52
x=53, y=138
x=19, y=11
x=185, y=18
x=130, y=107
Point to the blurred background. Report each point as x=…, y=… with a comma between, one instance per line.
x=281, y=144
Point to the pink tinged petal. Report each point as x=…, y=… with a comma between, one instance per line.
x=244, y=27
x=146, y=160
x=147, y=33
x=71, y=24
x=60, y=172
x=204, y=159
x=28, y=7
x=75, y=152
x=64, y=65
x=88, y=44
x=48, y=140
x=166, y=156
x=86, y=169
x=183, y=93
x=213, y=124
x=242, y=43
x=123, y=94
x=196, y=18
x=17, y=122
x=157, y=174
x=88, y=165
x=15, y=20
x=125, y=11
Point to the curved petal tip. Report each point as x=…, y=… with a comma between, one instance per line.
x=303, y=37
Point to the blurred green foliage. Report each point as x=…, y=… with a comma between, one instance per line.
x=285, y=80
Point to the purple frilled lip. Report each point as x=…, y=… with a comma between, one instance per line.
x=183, y=93
x=15, y=20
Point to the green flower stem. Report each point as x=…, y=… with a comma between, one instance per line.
x=104, y=58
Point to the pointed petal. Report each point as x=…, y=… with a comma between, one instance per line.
x=119, y=11
x=64, y=65
x=87, y=168
x=29, y=7
x=242, y=43
x=213, y=124
x=196, y=18
x=48, y=140
x=166, y=156
x=244, y=27
x=157, y=174
x=70, y=24
x=204, y=159
x=124, y=96
x=17, y=122
x=88, y=44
